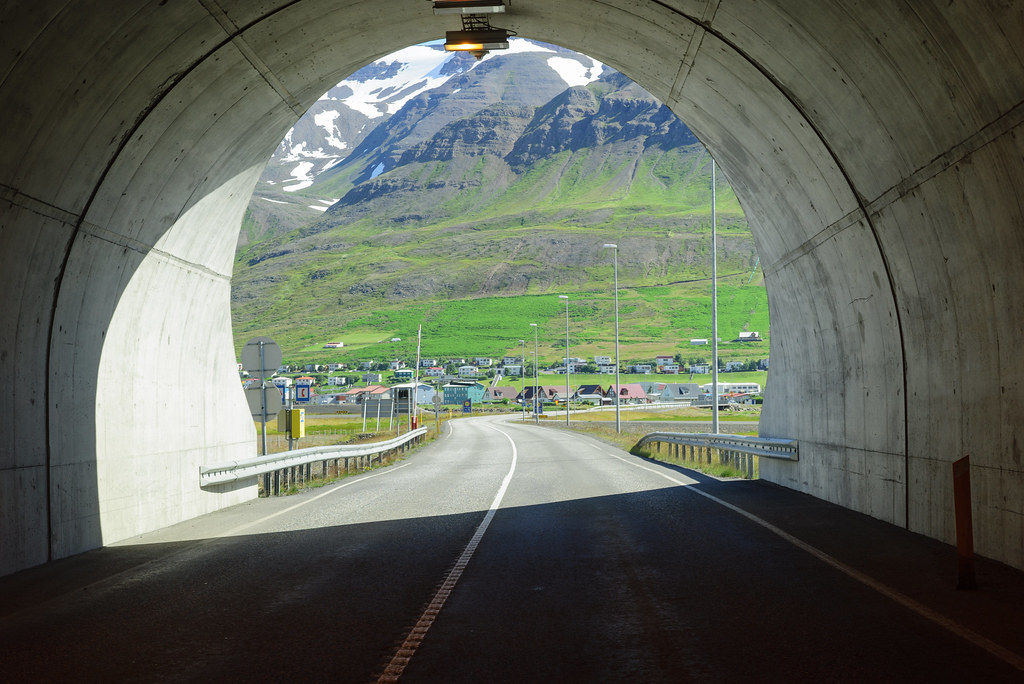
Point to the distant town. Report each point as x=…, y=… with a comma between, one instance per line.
x=478, y=380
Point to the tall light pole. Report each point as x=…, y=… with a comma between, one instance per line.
x=566, y=298
x=522, y=376
x=615, y=262
x=536, y=375
x=714, y=306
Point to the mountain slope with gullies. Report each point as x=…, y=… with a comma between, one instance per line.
x=504, y=180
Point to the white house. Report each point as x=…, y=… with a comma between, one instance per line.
x=427, y=363
x=336, y=366
x=468, y=371
x=337, y=380
x=734, y=366
x=603, y=360
x=671, y=368
x=701, y=368
x=434, y=372
x=660, y=361
x=606, y=368
x=733, y=388
x=641, y=368
x=512, y=369
x=509, y=360
x=699, y=340
x=483, y=361
x=397, y=364
x=752, y=336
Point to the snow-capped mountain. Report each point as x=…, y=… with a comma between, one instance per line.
x=345, y=115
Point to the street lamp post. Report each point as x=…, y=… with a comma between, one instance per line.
x=714, y=306
x=522, y=376
x=536, y=375
x=615, y=262
x=566, y=298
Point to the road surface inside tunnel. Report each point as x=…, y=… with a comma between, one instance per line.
x=537, y=555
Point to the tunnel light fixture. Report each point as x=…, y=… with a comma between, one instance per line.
x=468, y=7
x=476, y=41
x=477, y=35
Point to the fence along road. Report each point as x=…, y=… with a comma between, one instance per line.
x=595, y=566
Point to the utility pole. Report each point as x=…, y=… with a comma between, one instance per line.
x=714, y=306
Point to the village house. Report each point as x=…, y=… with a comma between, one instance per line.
x=591, y=394
x=500, y=393
x=468, y=371
x=631, y=393
x=458, y=391
x=434, y=372
x=686, y=392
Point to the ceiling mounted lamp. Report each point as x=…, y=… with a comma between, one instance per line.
x=477, y=35
x=468, y=7
x=476, y=43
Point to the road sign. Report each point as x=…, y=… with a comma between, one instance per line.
x=302, y=393
x=254, y=397
x=437, y=400
x=467, y=406
x=261, y=357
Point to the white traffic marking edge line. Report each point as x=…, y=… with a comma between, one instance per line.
x=235, y=530
x=405, y=652
x=956, y=628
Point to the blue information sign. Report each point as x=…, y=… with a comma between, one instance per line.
x=467, y=406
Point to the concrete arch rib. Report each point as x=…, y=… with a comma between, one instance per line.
x=858, y=143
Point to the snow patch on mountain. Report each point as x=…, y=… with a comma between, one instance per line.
x=301, y=173
x=325, y=120
x=575, y=72
x=419, y=69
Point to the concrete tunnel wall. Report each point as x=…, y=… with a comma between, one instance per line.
x=875, y=151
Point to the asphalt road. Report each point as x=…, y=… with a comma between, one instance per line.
x=499, y=553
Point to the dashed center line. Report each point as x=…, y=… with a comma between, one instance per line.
x=400, y=660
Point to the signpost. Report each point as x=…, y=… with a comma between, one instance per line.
x=467, y=406
x=437, y=407
x=261, y=357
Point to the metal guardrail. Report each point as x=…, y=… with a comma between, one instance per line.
x=224, y=473
x=769, y=447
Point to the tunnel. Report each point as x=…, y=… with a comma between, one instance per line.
x=875, y=148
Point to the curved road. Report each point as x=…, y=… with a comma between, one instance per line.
x=498, y=553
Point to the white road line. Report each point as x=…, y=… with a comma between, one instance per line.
x=956, y=628
x=405, y=652
x=235, y=530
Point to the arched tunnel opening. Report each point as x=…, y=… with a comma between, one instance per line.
x=471, y=193
x=875, y=150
